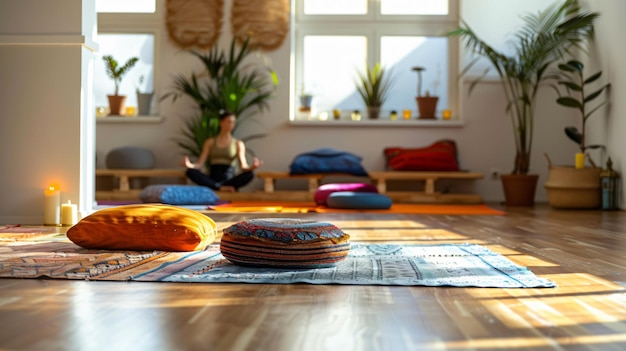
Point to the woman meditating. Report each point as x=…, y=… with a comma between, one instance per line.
x=223, y=153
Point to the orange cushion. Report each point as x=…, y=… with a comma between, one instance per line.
x=144, y=227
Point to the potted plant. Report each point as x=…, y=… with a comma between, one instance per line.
x=426, y=104
x=144, y=99
x=373, y=85
x=116, y=72
x=576, y=186
x=224, y=84
x=544, y=38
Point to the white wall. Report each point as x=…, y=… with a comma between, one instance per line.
x=43, y=128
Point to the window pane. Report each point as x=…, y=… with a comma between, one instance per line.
x=414, y=7
x=329, y=68
x=335, y=7
x=119, y=6
x=122, y=47
x=401, y=54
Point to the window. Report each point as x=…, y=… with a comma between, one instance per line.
x=335, y=39
x=125, y=6
x=126, y=29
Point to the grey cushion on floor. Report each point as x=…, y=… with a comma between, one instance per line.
x=130, y=157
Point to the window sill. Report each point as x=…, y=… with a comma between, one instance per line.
x=133, y=119
x=402, y=123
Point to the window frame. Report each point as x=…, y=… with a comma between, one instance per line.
x=379, y=25
x=135, y=23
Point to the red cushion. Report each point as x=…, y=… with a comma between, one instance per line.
x=324, y=191
x=439, y=156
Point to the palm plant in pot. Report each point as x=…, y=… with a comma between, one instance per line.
x=116, y=72
x=226, y=83
x=374, y=85
x=578, y=186
x=426, y=104
x=544, y=38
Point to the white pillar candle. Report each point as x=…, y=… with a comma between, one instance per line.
x=52, y=206
x=69, y=214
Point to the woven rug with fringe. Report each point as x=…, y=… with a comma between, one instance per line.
x=42, y=255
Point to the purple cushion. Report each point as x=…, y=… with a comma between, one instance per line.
x=324, y=191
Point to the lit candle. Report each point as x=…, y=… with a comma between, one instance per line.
x=130, y=111
x=69, y=214
x=406, y=114
x=52, y=206
x=580, y=160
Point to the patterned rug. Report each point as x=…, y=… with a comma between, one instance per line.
x=43, y=255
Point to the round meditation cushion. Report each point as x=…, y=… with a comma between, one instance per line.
x=285, y=243
x=356, y=200
x=324, y=190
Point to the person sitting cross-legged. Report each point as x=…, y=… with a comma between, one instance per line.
x=223, y=152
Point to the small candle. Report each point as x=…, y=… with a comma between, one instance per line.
x=355, y=115
x=52, y=206
x=323, y=116
x=69, y=214
x=580, y=160
x=447, y=114
x=406, y=114
x=336, y=114
x=393, y=116
x=130, y=111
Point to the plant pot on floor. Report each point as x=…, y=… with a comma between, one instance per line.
x=519, y=189
x=427, y=106
x=570, y=188
x=117, y=104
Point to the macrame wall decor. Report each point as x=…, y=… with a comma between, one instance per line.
x=265, y=22
x=194, y=23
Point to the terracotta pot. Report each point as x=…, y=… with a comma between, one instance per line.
x=427, y=106
x=117, y=104
x=373, y=112
x=568, y=187
x=519, y=189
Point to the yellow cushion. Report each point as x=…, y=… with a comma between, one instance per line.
x=144, y=227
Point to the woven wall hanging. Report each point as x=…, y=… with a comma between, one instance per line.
x=265, y=22
x=194, y=23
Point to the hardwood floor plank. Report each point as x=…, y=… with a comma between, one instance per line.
x=582, y=251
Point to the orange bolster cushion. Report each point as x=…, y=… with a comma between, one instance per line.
x=144, y=227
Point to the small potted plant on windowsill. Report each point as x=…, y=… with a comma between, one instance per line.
x=426, y=104
x=374, y=85
x=144, y=99
x=116, y=72
x=578, y=186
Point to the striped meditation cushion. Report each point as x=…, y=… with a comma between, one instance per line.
x=284, y=242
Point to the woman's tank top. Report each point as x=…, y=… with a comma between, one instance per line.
x=224, y=155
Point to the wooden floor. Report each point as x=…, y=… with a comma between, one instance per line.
x=584, y=252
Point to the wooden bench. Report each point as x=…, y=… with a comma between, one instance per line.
x=125, y=174
x=380, y=179
x=429, y=178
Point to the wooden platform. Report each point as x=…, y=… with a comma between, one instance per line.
x=381, y=178
x=123, y=191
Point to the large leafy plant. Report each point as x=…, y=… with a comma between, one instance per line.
x=116, y=71
x=544, y=38
x=226, y=83
x=373, y=85
x=575, y=95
